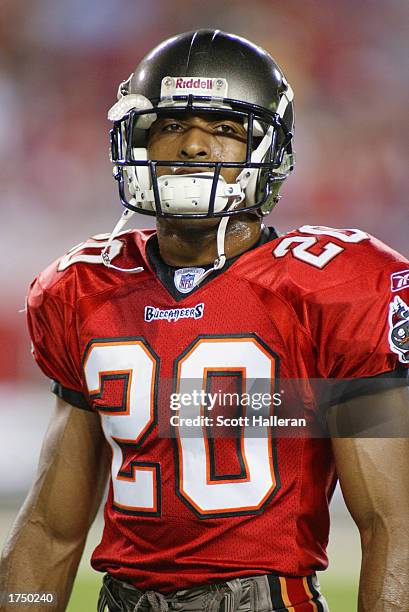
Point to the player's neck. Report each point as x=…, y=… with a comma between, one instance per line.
x=193, y=242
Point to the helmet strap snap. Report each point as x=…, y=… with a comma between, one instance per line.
x=105, y=255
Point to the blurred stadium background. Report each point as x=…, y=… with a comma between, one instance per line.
x=60, y=63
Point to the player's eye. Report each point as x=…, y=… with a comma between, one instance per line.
x=173, y=126
x=226, y=128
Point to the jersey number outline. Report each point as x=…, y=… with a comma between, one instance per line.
x=137, y=484
x=299, y=245
x=98, y=242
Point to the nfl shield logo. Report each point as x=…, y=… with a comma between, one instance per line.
x=186, y=281
x=185, y=278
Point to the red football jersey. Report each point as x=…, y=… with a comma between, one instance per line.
x=316, y=303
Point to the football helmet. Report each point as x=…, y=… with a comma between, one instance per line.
x=212, y=72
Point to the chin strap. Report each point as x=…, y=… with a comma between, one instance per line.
x=221, y=257
x=220, y=239
x=105, y=255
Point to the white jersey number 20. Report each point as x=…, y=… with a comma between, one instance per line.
x=137, y=484
x=300, y=246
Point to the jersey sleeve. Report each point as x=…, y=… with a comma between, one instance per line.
x=52, y=329
x=361, y=327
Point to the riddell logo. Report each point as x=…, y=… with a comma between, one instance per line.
x=194, y=83
x=400, y=280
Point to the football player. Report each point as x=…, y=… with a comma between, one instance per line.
x=127, y=325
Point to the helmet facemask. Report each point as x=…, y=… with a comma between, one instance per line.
x=204, y=194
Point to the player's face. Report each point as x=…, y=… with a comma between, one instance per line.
x=198, y=138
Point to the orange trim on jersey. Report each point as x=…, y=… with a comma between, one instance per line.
x=270, y=440
x=126, y=412
x=226, y=509
x=211, y=340
x=112, y=343
x=284, y=594
x=180, y=459
x=209, y=481
x=222, y=369
x=132, y=479
x=310, y=595
x=127, y=403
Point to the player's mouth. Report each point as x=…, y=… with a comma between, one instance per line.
x=187, y=170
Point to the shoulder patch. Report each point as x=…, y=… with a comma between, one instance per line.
x=399, y=329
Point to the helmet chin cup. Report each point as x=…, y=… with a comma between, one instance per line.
x=191, y=193
x=184, y=193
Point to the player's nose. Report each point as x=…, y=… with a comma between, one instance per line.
x=195, y=145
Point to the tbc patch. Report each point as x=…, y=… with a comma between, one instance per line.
x=399, y=328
